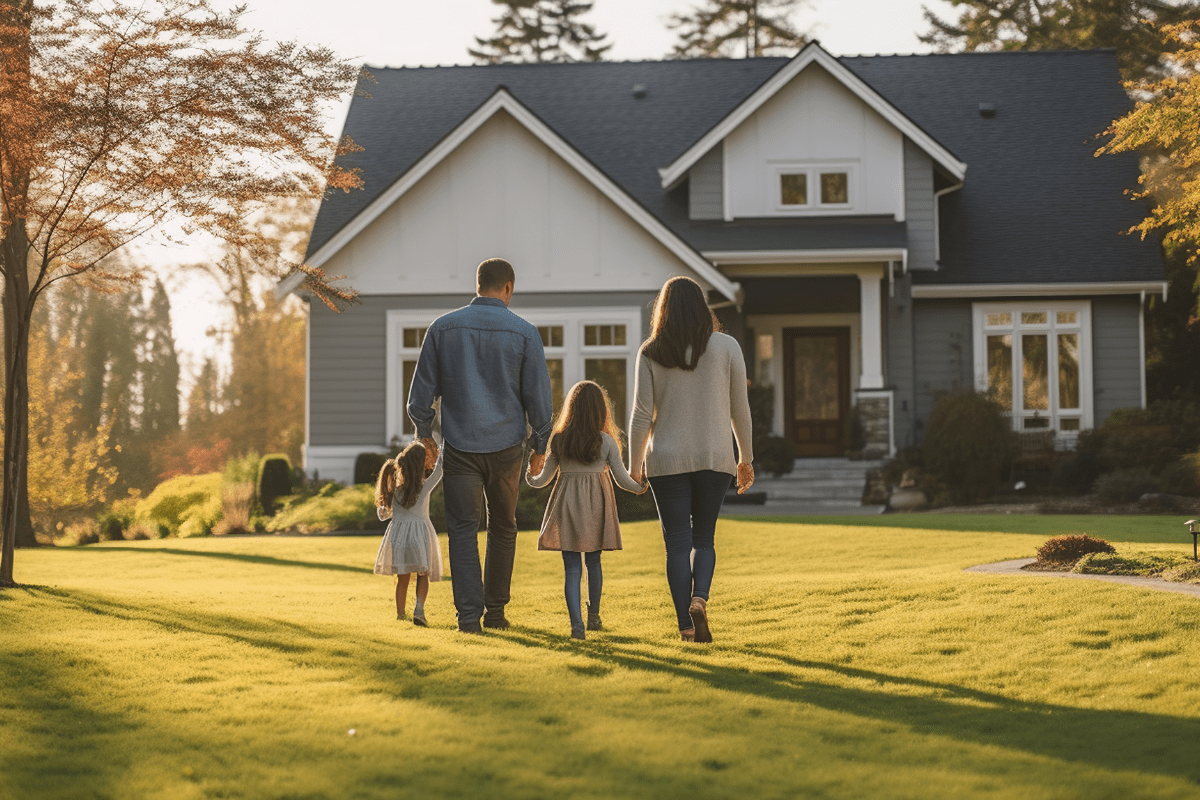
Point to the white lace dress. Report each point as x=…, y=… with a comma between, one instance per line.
x=410, y=543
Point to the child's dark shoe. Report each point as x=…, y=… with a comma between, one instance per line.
x=577, y=633
x=419, y=619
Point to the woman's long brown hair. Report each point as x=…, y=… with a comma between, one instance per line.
x=585, y=414
x=404, y=474
x=681, y=319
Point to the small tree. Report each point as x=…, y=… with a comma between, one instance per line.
x=725, y=28
x=541, y=31
x=118, y=116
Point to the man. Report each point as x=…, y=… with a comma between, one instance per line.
x=488, y=367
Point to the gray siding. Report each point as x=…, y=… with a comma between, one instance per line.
x=706, y=186
x=942, y=354
x=918, y=207
x=1116, y=355
x=348, y=357
x=898, y=341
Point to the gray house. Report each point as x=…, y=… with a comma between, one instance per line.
x=876, y=230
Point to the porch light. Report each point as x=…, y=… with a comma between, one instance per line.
x=1194, y=529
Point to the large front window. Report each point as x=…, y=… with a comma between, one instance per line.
x=1034, y=359
x=598, y=344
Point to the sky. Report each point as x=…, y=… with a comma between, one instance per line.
x=412, y=33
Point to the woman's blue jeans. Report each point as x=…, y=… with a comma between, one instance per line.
x=688, y=505
x=573, y=574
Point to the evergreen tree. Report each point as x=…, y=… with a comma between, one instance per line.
x=1132, y=27
x=204, y=400
x=541, y=31
x=727, y=28
x=160, y=370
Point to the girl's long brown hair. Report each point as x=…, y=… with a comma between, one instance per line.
x=681, y=319
x=405, y=474
x=585, y=414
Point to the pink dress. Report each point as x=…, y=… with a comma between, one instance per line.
x=581, y=515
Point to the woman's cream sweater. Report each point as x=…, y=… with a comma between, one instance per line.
x=681, y=419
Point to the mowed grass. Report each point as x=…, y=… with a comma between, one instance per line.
x=851, y=661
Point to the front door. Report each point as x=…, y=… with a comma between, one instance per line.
x=816, y=391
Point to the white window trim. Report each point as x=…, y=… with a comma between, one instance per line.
x=814, y=206
x=1083, y=308
x=573, y=351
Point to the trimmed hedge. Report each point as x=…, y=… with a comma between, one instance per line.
x=1070, y=548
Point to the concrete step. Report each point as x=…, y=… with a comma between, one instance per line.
x=836, y=481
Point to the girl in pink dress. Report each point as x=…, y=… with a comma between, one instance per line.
x=581, y=515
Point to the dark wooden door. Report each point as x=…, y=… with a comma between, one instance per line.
x=816, y=392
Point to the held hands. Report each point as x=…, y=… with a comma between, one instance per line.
x=537, y=461
x=431, y=453
x=745, y=477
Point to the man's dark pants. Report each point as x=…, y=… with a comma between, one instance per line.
x=469, y=481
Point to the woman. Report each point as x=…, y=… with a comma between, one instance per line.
x=691, y=384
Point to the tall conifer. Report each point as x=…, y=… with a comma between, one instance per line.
x=541, y=31
x=729, y=28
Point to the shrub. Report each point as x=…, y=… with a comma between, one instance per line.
x=1076, y=472
x=1126, y=485
x=777, y=456
x=367, y=466
x=237, y=507
x=1146, y=565
x=85, y=531
x=762, y=414
x=173, y=501
x=275, y=481
x=1071, y=547
x=1182, y=477
x=968, y=446
x=333, y=508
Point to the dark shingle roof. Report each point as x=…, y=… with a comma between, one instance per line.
x=1036, y=206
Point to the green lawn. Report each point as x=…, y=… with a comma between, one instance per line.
x=851, y=661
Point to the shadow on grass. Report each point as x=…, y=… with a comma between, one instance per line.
x=1110, y=740
x=269, y=561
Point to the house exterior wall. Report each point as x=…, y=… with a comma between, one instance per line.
x=348, y=370
x=815, y=120
x=1117, y=365
x=942, y=355
x=898, y=338
x=919, y=207
x=504, y=193
x=706, y=186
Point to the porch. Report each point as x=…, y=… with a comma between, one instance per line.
x=814, y=487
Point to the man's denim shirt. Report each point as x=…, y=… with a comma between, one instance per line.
x=488, y=366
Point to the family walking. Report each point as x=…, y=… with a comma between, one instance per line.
x=487, y=367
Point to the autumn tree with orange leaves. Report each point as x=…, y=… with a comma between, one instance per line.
x=119, y=117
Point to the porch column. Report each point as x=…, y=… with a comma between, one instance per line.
x=872, y=329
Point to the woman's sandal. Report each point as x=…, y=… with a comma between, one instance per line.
x=688, y=635
x=698, y=610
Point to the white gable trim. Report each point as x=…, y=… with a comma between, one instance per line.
x=812, y=53
x=1039, y=289
x=503, y=100
x=723, y=257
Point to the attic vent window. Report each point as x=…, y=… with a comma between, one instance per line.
x=987, y=110
x=639, y=91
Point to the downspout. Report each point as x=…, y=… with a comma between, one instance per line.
x=937, y=221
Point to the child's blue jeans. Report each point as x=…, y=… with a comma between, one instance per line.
x=573, y=574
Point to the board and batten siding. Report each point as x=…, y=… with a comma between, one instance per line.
x=1116, y=355
x=815, y=120
x=942, y=354
x=899, y=344
x=505, y=193
x=706, y=186
x=918, y=207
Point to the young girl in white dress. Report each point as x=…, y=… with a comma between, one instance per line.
x=410, y=544
x=581, y=515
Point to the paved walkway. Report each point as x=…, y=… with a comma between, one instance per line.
x=1014, y=568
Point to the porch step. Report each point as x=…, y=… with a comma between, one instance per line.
x=832, y=481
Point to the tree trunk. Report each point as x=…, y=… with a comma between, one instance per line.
x=14, y=252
